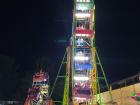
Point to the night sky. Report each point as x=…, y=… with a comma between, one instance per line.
x=31, y=29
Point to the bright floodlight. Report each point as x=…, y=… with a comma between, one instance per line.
x=79, y=98
x=81, y=78
x=81, y=58
x=82, y=35
x=82, y=15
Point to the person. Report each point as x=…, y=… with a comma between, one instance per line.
x=78, y=42
x=82, y=103
x=97, y=103
x=114, y=103
x=81, y=42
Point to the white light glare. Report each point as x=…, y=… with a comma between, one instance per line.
x=81, y=58
x=81, y=78
x=82, y=35
x=78, y=98
x=82, y=15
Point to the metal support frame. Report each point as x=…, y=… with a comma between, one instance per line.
x=103, y=78
x=65, y=100
x=67, y=79
x=63, y=62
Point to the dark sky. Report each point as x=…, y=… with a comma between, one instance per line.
x=33, y=28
